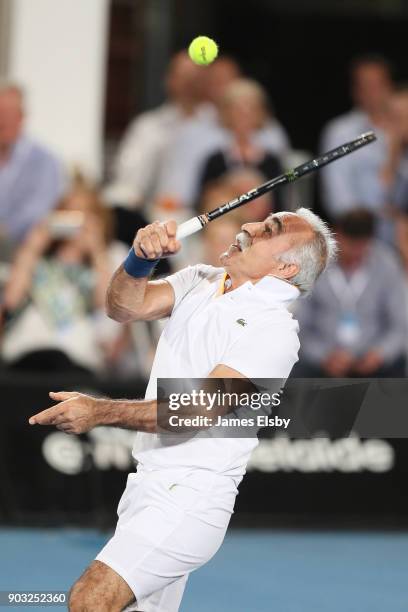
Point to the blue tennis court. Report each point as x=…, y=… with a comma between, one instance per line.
x=255, y=570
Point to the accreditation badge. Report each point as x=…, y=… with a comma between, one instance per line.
x=348, y=329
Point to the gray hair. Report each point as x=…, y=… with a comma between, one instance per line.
x=313, y=256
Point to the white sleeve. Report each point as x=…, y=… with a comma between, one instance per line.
x=256, y=354
x=183, y=281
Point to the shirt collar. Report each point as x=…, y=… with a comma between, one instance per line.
x=21, y=147
x=270, y=288
x=277, y=290
x=19, y=152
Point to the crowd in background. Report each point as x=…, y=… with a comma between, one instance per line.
x=215, y=137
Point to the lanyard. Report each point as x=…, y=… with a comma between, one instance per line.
x=348, y=290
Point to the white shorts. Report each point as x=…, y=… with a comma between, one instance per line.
x=170, y=523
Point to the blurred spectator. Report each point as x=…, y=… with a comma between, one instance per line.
x=243, y=113
x=357, y=180
x=217, y=236
x=355, y=321
x=186, y=154
x=217, y=193
x=241, y=180
x=233, y=184
x=54, y=299
x=402, y=240
x=395, y=169
x=207, y=246
x=216, y=79
x=31, y=178
x=140, y=153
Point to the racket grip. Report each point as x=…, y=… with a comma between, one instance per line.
x=188, y=227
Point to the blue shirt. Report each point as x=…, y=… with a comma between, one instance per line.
x=31, y=183
x=377, y=302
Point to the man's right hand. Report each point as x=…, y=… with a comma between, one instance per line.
x=157, y=240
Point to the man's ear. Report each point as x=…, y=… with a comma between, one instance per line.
x=288, y=270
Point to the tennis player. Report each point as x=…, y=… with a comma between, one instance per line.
x=229, y=322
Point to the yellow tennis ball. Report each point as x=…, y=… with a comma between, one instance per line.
x=203, y=50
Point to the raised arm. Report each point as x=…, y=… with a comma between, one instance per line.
x=131, y=296
x=20, y=280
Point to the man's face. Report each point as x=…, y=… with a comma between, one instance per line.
x=399, y=110
x=258, y=247
x=352, y=251
x=11, y=118
x=243, y=115
x=183, y=78
x=371, y=87
x=218, y=76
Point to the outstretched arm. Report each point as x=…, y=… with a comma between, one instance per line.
x=134, y=299
x=77, y=413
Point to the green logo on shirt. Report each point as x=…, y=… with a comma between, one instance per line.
x=241, y=322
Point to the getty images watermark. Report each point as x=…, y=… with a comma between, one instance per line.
x=230, y=402
x=222, y=404
x=300, y=408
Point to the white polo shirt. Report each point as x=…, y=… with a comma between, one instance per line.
x=202, y=332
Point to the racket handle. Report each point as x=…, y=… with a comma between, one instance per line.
x=189, y=227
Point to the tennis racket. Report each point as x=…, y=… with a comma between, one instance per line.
x=197, y=223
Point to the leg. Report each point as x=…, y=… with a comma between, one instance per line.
x=164, y=533
x=100, y=589
x=166, y=600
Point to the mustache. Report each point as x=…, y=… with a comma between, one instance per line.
x=243, y=240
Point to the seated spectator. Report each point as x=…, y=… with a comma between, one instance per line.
x=186, y=153
x=53, y=303
x=140, y=152
x=31, y=178
x=355, y=321
x=217, y=236
x=243, y=113
x=216, y=78
x=357, y=180
x=401, y=240
x=395, y=169
x=242, y=180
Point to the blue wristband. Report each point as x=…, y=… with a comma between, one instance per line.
x=137, y=266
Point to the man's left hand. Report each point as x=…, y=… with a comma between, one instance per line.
x=76, y=413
